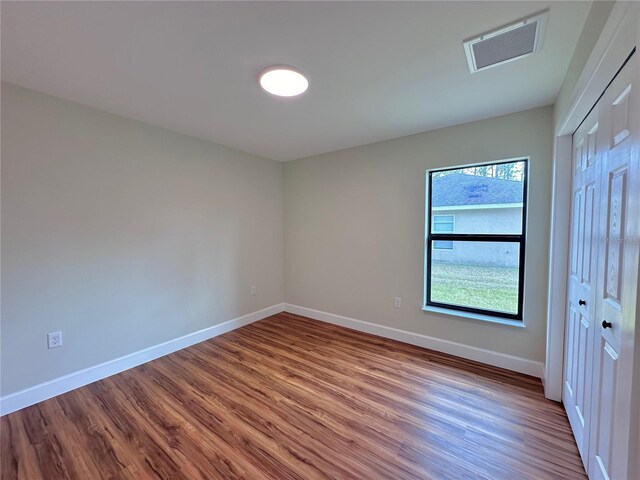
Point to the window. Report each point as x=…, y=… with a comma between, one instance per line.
x=443, y=224
x=476, y=219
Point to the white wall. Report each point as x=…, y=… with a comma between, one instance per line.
x=354, y=229
x=598, y=15
x=124, y=235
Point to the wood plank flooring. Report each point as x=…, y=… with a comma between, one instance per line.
x=292, y=398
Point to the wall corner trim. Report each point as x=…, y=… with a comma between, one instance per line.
x=38, y=393
x=502, y=360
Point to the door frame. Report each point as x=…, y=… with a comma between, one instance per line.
x=621, y=33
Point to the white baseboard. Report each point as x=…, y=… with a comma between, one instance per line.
x=38, y=393
x=502, y=360
x=44, y=391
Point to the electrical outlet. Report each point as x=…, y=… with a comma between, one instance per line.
x=54, y=339
x=397, y=302
x=253, y=290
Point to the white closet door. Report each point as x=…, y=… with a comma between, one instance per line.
x=617, y=288
x=588, y=146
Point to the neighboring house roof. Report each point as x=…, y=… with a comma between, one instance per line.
x=461, y=189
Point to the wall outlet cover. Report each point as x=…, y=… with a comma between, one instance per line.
x=54, y=339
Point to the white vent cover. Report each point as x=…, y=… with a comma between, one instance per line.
x=506, y=44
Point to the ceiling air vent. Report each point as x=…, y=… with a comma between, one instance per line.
x=506, y=44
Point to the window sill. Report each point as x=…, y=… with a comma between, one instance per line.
x=474, y=316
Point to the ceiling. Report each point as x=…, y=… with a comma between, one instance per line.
x=377, y=70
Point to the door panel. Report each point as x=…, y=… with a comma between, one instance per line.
x=591, y=145
x=620, y=117
x=603, y=444
x=587, y=251
x=579, y=351
x=582, y=372
x=571, y=352
x=615, y=227
x=575, y=227
x=617, y=284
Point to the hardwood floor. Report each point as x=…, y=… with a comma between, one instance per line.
x=292, y=398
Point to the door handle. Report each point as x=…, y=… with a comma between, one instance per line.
x=582, y=302
x=606, y=324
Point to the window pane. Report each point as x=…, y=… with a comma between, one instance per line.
x=443, y=228
x=480, y=275
x=443, y=219
x=485, y=200
x=443, y=244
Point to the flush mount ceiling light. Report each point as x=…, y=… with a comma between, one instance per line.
x=283, y=81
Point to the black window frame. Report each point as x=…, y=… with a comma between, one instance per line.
x=472, y=237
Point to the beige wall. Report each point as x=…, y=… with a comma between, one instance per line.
x=124, y=235
x=354, y=229
x=598, y=15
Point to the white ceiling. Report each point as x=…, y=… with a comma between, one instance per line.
x=377, y=70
